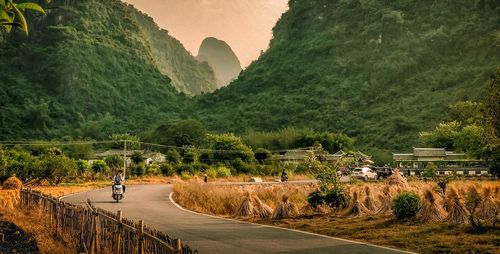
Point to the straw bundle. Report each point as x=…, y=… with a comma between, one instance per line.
x=488, y=209
x=12, y=183
x=285, y=209
x=369, y=202
x=246, y=208
x=430, y=210
x=396, y=179
x=457, y=212
x=385, y=200
x=355, y=208
x=261, y=209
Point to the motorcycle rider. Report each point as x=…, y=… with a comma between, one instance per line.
x=119, y=178
x=284, y=176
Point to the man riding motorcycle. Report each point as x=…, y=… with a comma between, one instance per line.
x=119, y=178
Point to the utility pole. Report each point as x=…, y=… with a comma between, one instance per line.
x=124, y=157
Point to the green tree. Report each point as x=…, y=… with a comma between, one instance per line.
x=82, y=167
x=11, y=14
x=228, y=147
x=492, y=123
x=81, y=151
x=136, y=157
x=179, y=133
x=443, y=136
x=262, y=155
x=132, y=141
x=99, y=166
x=190, y=155
x=56, y=168
x=471, y=139
x=173, y=156
x=114, y=162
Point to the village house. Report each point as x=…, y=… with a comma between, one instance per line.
x=302, y=154
x=447, y=162
x=147, y=157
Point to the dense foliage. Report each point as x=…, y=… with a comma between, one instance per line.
x=379, y=71
x=92, y=68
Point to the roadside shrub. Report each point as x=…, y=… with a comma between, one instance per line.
x=315, y=199
x=185, y=168
x=336, y=198
x=139, y=170
x=99, y=166
x=185, y=175
x=167, y=169
x=223, y=171
x=153, y=170
x=173, y=156
x=82, y=167
x=406, y=205
x=212, y=172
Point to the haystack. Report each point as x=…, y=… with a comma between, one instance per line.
x=261, y=209
x=12, y=183
x=369, y=202
x=246, y=208
x=285, y=209
x=385, y=200
x=355, y=208
x=488, y=209
x=430, y=211
x=396, y=179
x=457, y=212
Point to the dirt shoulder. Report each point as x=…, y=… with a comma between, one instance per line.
x=16, y=240
x=384, y=230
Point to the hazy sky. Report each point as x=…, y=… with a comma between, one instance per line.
x=246, y=25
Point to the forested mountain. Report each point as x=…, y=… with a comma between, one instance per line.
x=380, y=71
x=221, y=58
x=91, y=68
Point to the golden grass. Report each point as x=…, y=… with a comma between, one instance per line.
x=34, y=223
x=435, y=236
x=225, y=200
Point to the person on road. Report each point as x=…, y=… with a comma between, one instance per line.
x=284, y=176
x=119, y=178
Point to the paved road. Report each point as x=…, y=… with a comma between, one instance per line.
x=208, y=234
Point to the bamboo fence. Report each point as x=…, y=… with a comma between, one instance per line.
x=101, y=231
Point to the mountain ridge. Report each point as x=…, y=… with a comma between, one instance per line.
x=219, y=55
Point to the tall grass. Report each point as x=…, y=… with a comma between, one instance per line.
x=225, y=200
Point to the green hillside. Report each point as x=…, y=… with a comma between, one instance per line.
x=380, y=71
x=91, y=68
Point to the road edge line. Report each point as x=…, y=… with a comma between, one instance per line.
x=170, y=196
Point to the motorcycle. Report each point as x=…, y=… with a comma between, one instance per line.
x=117, y=191
x=284, y=177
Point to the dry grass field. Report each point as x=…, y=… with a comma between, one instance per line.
x=33, y=223
x=368, y=217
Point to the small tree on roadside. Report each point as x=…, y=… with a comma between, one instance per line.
x=262, y=155
x=99, y=167
x=473, y=201
x=136, y=158
x=114, y=162
x=173, y=156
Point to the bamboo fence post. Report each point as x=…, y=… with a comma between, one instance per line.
x=140, y=240
x=96, y=232
x=178, y=246
x=29, y=198
x=118, y=231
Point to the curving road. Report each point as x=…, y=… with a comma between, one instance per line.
x=210, y=234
